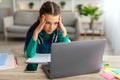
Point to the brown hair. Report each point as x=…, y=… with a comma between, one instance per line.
x=50, y=8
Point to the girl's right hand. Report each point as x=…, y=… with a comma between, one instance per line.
x=42, y=24
x=39, y=27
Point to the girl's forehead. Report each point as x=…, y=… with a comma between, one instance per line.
x=52, y=17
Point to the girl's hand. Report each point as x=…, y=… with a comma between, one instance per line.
x=39, y=27
x=60, y=26
x=42, y=24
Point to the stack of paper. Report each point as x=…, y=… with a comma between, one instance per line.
x=7, y=61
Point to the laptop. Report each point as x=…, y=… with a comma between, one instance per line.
x=75, y=58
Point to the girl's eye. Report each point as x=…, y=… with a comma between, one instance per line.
x=47, y=22
x=56, y=23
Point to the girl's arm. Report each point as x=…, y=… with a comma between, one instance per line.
x=31, y=49
x=39, y=27
x=62, y=28
x=62, y=38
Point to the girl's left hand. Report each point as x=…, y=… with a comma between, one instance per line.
x=60, y=26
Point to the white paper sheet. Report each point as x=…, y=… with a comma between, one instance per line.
x=40, y=58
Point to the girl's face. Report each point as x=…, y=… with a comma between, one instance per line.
x=52, y=23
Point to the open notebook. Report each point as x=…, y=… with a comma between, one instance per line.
x=40, y=58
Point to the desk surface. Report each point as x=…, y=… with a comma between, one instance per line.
x=18, y=72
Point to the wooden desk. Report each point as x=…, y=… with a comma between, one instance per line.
x=18, y=73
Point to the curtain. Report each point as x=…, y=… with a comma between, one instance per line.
x=112, y=23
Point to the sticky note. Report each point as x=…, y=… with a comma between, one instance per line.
x=117, y=76
x=108, y=69
x=117, y=71
x=108, y=75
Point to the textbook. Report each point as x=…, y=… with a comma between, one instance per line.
x=40, y=58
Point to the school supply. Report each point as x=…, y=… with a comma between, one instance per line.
x=9, y=61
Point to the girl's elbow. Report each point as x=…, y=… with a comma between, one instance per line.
x=29, y=55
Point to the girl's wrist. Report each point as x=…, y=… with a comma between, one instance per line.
x=37, y=31
x=39, y=28
x=64, y=33
x=63, y=30
x=35, y=35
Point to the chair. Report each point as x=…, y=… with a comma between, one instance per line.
x=72, y=23
x=18, y=24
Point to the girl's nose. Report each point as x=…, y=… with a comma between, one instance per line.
x=51, y=26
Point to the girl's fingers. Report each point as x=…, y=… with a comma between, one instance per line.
x=44, y=22
x=41, y=19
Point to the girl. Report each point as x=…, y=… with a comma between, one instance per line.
x=46, y=30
